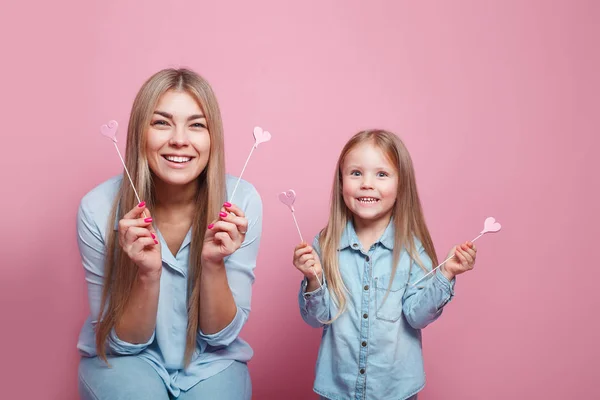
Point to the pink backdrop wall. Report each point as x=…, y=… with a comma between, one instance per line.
x=497, y=101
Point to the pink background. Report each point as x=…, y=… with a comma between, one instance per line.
x=496, y=100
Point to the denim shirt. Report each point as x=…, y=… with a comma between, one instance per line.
x=373, y=350
x=164, y=351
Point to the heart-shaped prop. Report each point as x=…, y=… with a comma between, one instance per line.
x=110, y=130
x=260, y=136
x=288, y=198
x=490, y=226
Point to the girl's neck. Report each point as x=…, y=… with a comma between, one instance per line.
x=369, y=232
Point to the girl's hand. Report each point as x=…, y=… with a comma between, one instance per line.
x=224, y=236
x=463, y=260
x=307, y=261
x=137, y=238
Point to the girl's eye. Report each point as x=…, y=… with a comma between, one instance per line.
x=382, y=174
x=355, y=173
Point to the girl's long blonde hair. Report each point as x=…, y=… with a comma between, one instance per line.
x=120, y=271
x=407, y=214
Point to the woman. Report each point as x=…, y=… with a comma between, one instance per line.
x=168, y=305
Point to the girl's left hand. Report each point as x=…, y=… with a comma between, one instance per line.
x=224, y=236
x=463, y=260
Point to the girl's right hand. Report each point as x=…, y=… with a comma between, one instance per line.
x=138, y=239
x=307, y=261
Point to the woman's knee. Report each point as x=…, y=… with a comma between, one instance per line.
x=125, y=378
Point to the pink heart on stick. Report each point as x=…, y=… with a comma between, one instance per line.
x=288, y=198
x=260, y=136
x=110, y=130
x=491, y=226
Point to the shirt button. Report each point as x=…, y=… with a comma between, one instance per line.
x=364, y=344
x=307, y=295
x=362, y=371
x=355, y=246
x=366, y=287
x=368, y=258
x=365, y=315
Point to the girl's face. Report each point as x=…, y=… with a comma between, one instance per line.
x=178, y=141
x=369, y=184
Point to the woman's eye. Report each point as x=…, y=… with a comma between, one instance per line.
x=198, y=125
x=160, y=122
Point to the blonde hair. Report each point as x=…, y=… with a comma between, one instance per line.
x=120, y=271
x=407, y=214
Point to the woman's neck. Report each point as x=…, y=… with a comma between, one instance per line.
x=175, y=198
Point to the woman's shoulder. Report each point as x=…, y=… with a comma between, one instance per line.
x=245, y=193
x=97, y=203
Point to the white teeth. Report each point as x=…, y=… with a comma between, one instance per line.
x=178, y=159
x=367, y=199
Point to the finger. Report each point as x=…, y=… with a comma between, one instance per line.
x=304, y=258
x=303, y=250
x=224, y=240
x=135, y=233
x=232, y=208
x=467, y=256
x=136, y=211
x=300, y=246
x=461, y=259
x=226, y=227
x=240, y=222
x=142, y=243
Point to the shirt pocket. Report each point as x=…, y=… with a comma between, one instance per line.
x=389, y=308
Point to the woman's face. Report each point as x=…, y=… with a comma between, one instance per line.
x=178, y=141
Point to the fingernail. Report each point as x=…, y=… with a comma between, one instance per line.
x=211, y=226
x=153, y=237
x=223, y=214
x=142, y=204
x=227, y=204
x=149, y=219
x=155, y=241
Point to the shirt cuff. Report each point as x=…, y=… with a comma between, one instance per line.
x=226, y=335
x=120, y=347
x=445, y=283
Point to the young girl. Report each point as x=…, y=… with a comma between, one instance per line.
x=169, y=279
x=375, y=244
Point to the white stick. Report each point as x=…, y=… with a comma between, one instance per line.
x=240, y=177
x=129, y=176
x=443, y=262
x=297, y=227
x=302, y=240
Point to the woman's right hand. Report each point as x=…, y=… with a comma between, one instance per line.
x=138, y=240
x=307, y=261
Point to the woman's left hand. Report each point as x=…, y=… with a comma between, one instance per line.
x=463, y=260
x=224, y=236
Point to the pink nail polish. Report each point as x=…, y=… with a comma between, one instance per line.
x=153, y=237
x=223, y=214
x=227, y=204
x=211, y=226
x=149, y=219
x=142, y=204
x=155, y=241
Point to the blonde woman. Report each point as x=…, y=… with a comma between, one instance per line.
x=170, y=279
x=374, y=246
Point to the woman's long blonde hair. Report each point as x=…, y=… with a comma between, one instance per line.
x=120, y=271
x=407, y=214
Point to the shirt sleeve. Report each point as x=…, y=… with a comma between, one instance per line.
x=240, y=267
x=93, y=250
x=424, y=303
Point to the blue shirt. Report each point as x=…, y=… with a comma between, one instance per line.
x=373, y=350
x=164, y=351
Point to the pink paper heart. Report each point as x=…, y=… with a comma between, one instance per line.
x=110, y=130
x=288, y=198
x=490, y=225
x=260, y=136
